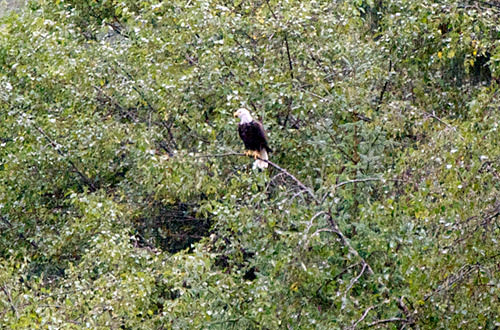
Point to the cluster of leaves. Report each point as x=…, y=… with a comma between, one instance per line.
x=124, y=204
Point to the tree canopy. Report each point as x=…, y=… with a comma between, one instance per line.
x=125, y=201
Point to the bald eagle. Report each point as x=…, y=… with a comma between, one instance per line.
x=254, y=137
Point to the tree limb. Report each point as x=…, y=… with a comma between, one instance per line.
x=61, y=153
x=354, y=280
x=335, y=228
x=391, y=320
x=9, y=298
x=381, y=97
x=355, y=324
x=21, y=235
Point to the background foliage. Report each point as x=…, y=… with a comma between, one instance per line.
x=122, y=204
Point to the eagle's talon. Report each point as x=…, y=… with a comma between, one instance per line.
x=248, y=152
x=256, y=155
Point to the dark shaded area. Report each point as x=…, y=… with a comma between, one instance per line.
x=170, y=227
x=231, y=260
x=373, y=13
x=480, y=71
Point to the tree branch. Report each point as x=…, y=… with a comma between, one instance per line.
x=290, y=62
x=142, y=95
x=9, y=298
x=346, y=242
x=356, y=180
x=61, y=153
x=354, y=280
x=355, y=324
x=21, y=235
x=391, y=320
x=453, y=128
x=381, y=97
x=335, y=228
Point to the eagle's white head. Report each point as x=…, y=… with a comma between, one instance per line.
x=244, y=115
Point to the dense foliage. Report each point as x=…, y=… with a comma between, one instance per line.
x=124, y=202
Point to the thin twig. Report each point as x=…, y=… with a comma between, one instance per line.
x=9, y=298
x=391, y=320
x=276, y=166
x=297, y=181
x=362, y=317
x=346, y=242
x=297, y=194
x=357, y=180
x=453, y=128
x=381, y=97
x=449, y=281
x=142, y=95
x=317, y=232
x=220, y=155
x=290, y=62
x=57, y=148
x=21, y=235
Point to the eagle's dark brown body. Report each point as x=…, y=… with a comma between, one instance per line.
x=253, y=136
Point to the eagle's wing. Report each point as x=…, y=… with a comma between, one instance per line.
x=253, y=136
x=261, y=135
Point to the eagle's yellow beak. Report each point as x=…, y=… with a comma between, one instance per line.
x=235, y=114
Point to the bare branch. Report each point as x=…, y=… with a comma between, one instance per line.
x=357, y=180
x=276, y=166
x=354, y=280
x=462, y=274
x=355, y=324
x=57, y=148
x=220, y=155
x=453, y=128
x=346, y=242
x=317, y=232
x=381, y=97
x=297, y=181
x=391, y=320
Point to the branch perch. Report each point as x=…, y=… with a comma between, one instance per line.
x=317, y=201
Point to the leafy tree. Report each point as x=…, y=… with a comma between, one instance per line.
x=125, y=201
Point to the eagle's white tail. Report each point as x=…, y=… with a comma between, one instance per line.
x=259, y=163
